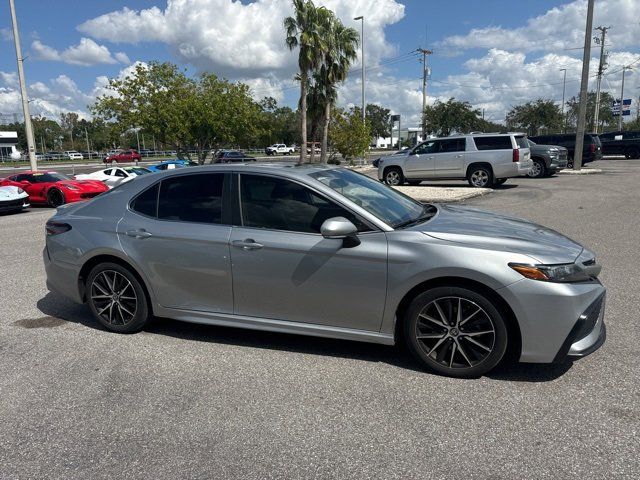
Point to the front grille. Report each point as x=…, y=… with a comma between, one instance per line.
x=12, y=203
x=562, y=155
x=90, y=195
x=589, y=318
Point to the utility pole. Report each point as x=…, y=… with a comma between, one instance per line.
x=361, y=18
x=624, y=69
x=564, y=84
x=23, y=91
x=424, y=52
x=86, y=135
x=582, y=107
x=601, y=67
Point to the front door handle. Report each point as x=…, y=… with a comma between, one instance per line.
x=248, y=244
x=141, y=233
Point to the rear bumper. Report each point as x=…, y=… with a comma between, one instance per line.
x=61, y=277
x=512, y=169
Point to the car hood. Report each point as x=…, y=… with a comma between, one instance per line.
x=494, y=231
x=539, y=146
x=85, y=184
x=11, y=193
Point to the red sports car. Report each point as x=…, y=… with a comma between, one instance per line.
x=123, y=156
x=54, y=188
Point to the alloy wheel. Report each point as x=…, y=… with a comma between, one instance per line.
x=455, y=332
x=536, y=170
x=479, y=178
x=114, y=297
x=393, y=178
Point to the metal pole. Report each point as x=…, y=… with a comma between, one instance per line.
x=86, y=134
x=361, y=18
x=138, y=140
x=564, y=83
x=424, y=87
x=23, y=91
x=582, y=108
x=596, y=114
x=621, y=100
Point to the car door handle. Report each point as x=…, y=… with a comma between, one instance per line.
x=248, y=244
x=142, y=233
x=459, y=156
x=429, y=158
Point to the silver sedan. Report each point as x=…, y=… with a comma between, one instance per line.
x=327, y=252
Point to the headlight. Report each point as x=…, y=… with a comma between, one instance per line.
x=568, y=272
x=20, y=191
x=71, y=187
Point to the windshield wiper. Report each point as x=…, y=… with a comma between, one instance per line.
x=428, y=212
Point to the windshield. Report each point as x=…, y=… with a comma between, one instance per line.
x=46, y=177
x=137, y=170
x=531, y=143
x=389, y=205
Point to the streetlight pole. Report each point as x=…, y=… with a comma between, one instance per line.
x=621, y=98
x=361, y=18
x=601, y=66
x=564, y=83
x=582, y=106
x=23, y=91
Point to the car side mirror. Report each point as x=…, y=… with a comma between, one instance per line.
x=342, y=229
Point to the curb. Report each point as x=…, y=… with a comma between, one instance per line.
x=443, y=194
x=584, y=171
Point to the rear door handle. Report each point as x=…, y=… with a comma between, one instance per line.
x=248, y=244
x=459, y=156
x=142, y=233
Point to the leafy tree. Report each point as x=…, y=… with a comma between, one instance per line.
x=633, y=125
x=349, y=134
x=534, y=115
x=606, y=119
x=69, y=122
x=304, y=31
x=379, y=118
x=443, y=118
x=280, y=124
x=204, y=113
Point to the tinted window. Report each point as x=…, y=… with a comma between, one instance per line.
x=279, y=204
x=119, y=173
x=452, y=145
x=192, y=198
x=429, y=146
x=522, y=142
x=147, y=202
x=493, y=143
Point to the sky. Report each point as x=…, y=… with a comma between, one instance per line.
x=492, y=53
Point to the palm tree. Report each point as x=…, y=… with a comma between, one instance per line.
x=304, y=31
x=341, y=51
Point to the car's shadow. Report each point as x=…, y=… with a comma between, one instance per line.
x=57, y=310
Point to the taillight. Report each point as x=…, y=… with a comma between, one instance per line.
x=56, y=228
x=592, y=148
x=516, y=155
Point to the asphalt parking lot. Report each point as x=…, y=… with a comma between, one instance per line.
x=188, y=401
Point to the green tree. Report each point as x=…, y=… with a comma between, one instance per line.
x=349, y=134
x=535, y=115
x=69, y=122
x=304, y=31
x=443, y=118
x=379, y=118
x=280, y=124
x=606, y=119
x=204, y=113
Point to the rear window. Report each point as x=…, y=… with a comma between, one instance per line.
x=493, y=143
x=522, y=142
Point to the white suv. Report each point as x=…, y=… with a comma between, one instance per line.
x=483, y=159
x=73, y=155
x=279, y=148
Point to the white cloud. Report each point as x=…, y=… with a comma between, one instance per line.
x=85, y=53
x=122, y=58
x=6, y=34
x=10, y=79
x=557, y=29
x=235, y=39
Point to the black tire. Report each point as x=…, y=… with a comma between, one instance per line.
x=432, y=343
x=480, y=177
x=393, y=176
x=117, y=313
x=414, y=183
x=500, y=181
x=632, y=153
x=55, y=198
x=538, y=170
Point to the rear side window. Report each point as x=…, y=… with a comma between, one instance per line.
x=493, y=143
x=192, y=198
x=452, y=145
x=147, y=202
x=522, y=142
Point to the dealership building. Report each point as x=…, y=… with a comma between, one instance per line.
x=8, y=146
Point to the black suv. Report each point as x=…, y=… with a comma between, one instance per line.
x=591, y=150
x=621, y=143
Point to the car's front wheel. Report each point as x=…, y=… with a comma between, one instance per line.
x=55, y=198
x=116, y=298
x=393, y=176
x=455, y=331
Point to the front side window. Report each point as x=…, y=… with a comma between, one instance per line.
x=192, y=198
x=279, y=204
x=430, y=146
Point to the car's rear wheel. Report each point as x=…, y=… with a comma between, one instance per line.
x=455, y=331
x=632, y=153
x=116, y=298
x=480, y=177
x=393, y=176
x=55, y=198
x=538, y=169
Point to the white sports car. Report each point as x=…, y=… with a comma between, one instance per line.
x=114, y=176
x=13, y=199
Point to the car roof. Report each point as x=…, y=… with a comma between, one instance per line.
x=288, y=169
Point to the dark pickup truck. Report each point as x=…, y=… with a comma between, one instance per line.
x=621, y=143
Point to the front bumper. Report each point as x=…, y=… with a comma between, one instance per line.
x=557, y=320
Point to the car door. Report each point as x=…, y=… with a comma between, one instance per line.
x=177, y=232
x=420, y=163
x=28, y=182
x=284, y=269
x=449, y=160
